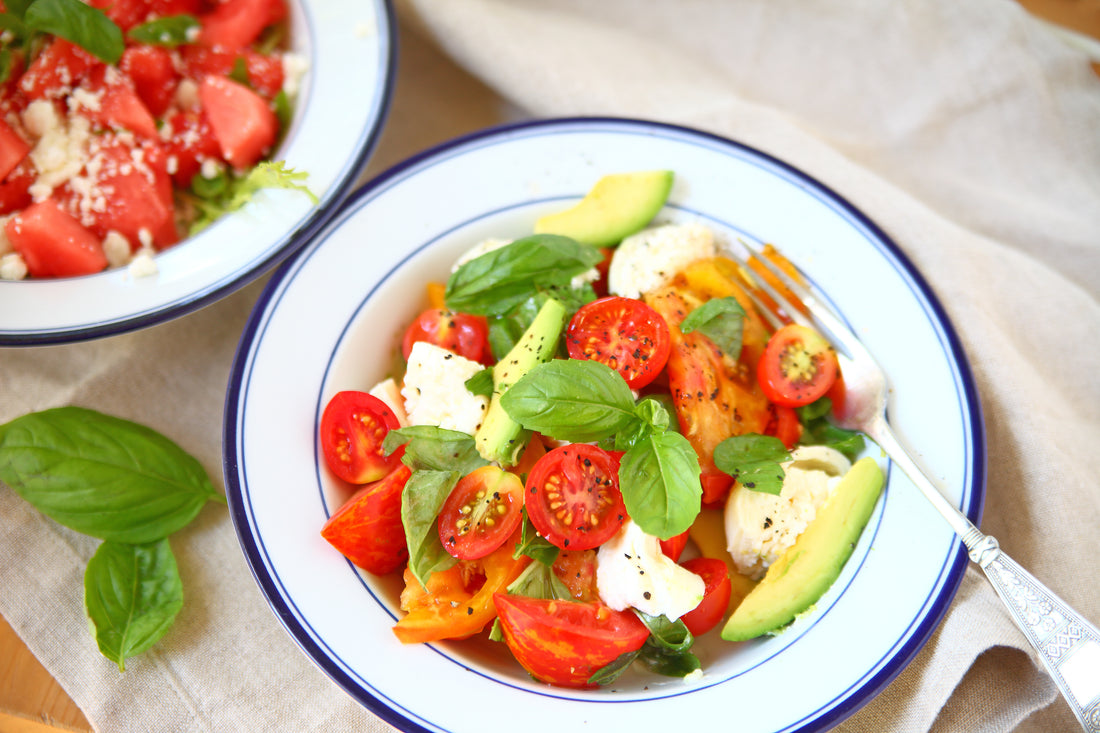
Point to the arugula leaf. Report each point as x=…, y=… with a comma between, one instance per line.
x=498, y=281
x=239, y=191
x=103, y=476
x=721, y=320
x=421, y=500
x=132, y=594
x=574, y=400
x=170, y=31
x=659, y=480
x=75, y=21
x=817, y=430
x=753, y=460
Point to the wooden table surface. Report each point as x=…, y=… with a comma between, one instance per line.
x=31, y=701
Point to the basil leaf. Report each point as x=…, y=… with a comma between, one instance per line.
x=13, y=25
x=17, y=8
x=754, y=461
x=571, y=399
x=614, y=670
x=436, y=449
x=102, y=475
x=652, y=418
x=817, y=430
x=132, y=594
x=668, y=662
x=421, y=500
x=170, y=31
x=499, y=280
x=78, y=23
x=671, y=635
x=533, y=546
x=481, y=383
x=5, y=63
x=540, y=581
x=721, y=320
x=659, y=480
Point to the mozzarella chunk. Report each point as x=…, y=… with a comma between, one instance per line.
x=647, y=260
x=632, y=571
x=760, y=527
x=435, y=391
x=388, y=392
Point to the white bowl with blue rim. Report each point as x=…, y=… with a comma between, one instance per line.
x=350, y=46
x=361, y=279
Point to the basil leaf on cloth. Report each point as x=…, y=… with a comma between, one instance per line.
x=503, y=278
x=659, y=480
x=570, y=399
x=722, y=320
x=103, y=476
x=132, y=594
x=78, y=23
x=754, y=461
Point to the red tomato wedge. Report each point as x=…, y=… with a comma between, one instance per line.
x=461, y=333
x=625, y=334
x=785, y=425
x=481, y=512
x=673, y=547
x=153, y=73
x=367, y=529
x=243, y=123
x=573, y=497
x=119, y=104
x=353, y=426
x=564, y=642
x=798, y=366
x=52, y=243
x=716, y=594
x=13, y=149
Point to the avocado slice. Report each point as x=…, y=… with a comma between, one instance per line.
x=805, y=571
x=618, y=205
x=498, y=438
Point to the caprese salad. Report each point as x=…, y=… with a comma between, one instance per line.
x=126, y=125
x=596, y=448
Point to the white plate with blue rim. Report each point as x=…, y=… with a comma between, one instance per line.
x=349, y=47
x=331, y=319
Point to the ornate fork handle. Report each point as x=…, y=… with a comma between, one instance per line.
x=1067, y=644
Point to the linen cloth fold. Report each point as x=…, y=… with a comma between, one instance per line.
x=966, y=131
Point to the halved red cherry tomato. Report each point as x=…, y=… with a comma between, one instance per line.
x=798, y=366
x=673, y=547
x=565, y=642
x=716, y=594
x=353, y=426
x=462, y=333
x=481, y=512
x=625, y=334
x=577, y=570
x=785, y=426
x=573, y=497
x=367, y=528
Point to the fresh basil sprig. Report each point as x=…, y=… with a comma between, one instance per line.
x=438, y=459
x=666, y=652
x=817, y=430
x=132, y=594
x=584, y=401
x=504, y=278
x=754, y=461
x=169, y=31
x=101, y=475
x=77, y=22
x=722, y=320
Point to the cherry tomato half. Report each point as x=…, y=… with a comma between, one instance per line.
x=716, y=594
x=565, y=642
x=625, y=334
x=674, y=546
x=462, y=333
x=798, y=366
x=353, y=426
x=785, y=426
x=481, y=512
x=573, y=497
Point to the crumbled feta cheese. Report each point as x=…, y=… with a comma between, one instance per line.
x=117, y=248
x=760, y=527
x=211, y=168
x=143, y=264
x=435, y=391
x=187, y=94
x=632, y=572
x=12, y=267
x=388, y=391
x=61, y=150
x=647, y=260
x=295, y=66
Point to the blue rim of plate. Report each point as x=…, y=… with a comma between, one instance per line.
x=338, y=192
x=855, y=697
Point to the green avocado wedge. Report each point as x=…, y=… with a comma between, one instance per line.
x=805, y=571
x=618, y=205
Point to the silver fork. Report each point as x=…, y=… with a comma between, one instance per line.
x=1067, y=643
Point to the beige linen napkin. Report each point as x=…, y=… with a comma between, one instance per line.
x=964, y=130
